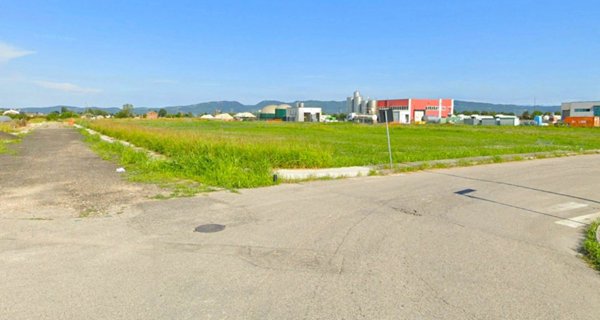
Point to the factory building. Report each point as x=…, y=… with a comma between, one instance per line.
x=304, y=114
x=414, y=110
x=581, y=114
x=399, y=110
x=580, y=109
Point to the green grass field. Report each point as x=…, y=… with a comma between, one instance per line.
x=243, y=154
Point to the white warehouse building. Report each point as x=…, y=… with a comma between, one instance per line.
x=300, y=113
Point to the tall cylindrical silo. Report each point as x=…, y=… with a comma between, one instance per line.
x=372, y=107
x=349, y=106
x=357, y=102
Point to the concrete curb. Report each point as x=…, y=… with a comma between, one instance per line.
x=598, y=234
x=346, y=172
x=305, y=174
x=449, y=163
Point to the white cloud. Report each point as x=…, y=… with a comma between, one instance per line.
x=66, y=87
x=8, y=52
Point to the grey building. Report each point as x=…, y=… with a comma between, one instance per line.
x=580, y=109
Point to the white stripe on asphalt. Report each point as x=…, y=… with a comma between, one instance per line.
x=567, y=206
x=580, y=221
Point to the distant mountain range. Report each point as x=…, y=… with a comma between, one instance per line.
x=329, y=107
x=462, y=106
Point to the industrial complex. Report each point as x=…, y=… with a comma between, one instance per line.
x=427, y=110
x=396, y=111
x=399, y=110
x=414, y=110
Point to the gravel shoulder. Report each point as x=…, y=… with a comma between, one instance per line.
x=52, y=173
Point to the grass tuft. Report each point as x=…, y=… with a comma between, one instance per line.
x=591, y=247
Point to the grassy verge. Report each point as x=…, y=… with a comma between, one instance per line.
x=591, y=247
x=243, y=154
x=6, y=128
x=140, y=167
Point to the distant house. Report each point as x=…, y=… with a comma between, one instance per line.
x=152, y=115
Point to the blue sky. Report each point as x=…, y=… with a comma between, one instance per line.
x=160, y=53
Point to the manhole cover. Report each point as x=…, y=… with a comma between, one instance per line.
x=209, y=228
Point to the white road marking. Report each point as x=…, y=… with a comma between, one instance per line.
x=567, y=206
x=580, y=221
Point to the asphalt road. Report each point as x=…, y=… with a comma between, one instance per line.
x=395, y=247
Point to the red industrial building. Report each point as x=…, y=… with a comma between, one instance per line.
x=414, y=110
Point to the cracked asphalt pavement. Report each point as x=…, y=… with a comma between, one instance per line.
x=411, y=246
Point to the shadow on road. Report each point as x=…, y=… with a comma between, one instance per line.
x=467, y=193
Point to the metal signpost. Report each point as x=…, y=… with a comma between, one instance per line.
x=387, y=129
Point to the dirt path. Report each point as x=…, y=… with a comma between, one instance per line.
x=54, y=174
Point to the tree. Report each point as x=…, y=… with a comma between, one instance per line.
x=162, y=113
x=52, y=116
x=96, y=112
x=526, y=115
x=65, y=113
x=126, y=111
x=340, y=116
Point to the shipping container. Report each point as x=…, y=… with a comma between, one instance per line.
x=583, y=121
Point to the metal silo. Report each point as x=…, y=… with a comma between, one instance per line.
x=364, y=106
x=372, y=107
x=349, y=105
x=357, y=102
